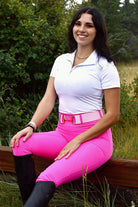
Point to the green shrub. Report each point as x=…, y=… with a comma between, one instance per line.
x=31, y=37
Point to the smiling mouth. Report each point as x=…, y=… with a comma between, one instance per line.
x=82, y=36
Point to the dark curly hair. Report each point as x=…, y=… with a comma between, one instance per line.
x=100, y=41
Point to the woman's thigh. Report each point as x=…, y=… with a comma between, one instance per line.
x=43, y=144
x=87, y=158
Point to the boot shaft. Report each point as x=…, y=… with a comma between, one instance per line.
x=26, y=176
x=41, y=194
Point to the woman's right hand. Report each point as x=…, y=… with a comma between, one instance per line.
x=26, y=132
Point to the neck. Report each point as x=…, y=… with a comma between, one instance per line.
x=83, y=52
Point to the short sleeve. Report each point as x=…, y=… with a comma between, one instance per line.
x=57, y=65
x=110, y=76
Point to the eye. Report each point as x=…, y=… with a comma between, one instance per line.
x=89, y=25
x=77, y=23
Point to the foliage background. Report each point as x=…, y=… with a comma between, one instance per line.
x=33, y=33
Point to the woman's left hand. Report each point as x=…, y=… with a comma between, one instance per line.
x=68, y=149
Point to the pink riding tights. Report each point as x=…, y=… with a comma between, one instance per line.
x=91, y=154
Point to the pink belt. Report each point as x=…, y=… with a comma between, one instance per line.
x=81, y=118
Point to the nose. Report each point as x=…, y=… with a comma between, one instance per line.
x=82, y=28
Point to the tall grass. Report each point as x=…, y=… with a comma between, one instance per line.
x=125, y=141
x=125, y=132
x=68, y=196
x=9, y=195
x=128, y=71
x=86, y=194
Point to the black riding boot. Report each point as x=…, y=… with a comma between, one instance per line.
x=26, y=176
x=41, y=194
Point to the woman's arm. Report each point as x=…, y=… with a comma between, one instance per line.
x=43, y=110
x=112, y=102
x=46, y=104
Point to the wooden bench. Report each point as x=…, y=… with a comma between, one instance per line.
x=118, y=171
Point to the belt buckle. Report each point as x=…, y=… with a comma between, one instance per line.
x=63, y=118
x=68, y=119
x=75, y=119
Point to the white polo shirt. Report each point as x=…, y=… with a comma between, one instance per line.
x=80, y=88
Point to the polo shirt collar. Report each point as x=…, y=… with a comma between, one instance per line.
x=92, y=59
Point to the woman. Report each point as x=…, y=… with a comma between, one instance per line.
x=83, y=138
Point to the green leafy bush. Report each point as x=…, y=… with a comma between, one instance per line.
x=31, y=37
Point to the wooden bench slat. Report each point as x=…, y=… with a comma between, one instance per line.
x=118, y=171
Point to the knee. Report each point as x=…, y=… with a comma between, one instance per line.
x=44, y=176
x=21, y=149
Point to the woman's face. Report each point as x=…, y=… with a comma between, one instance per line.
x=84, y=31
